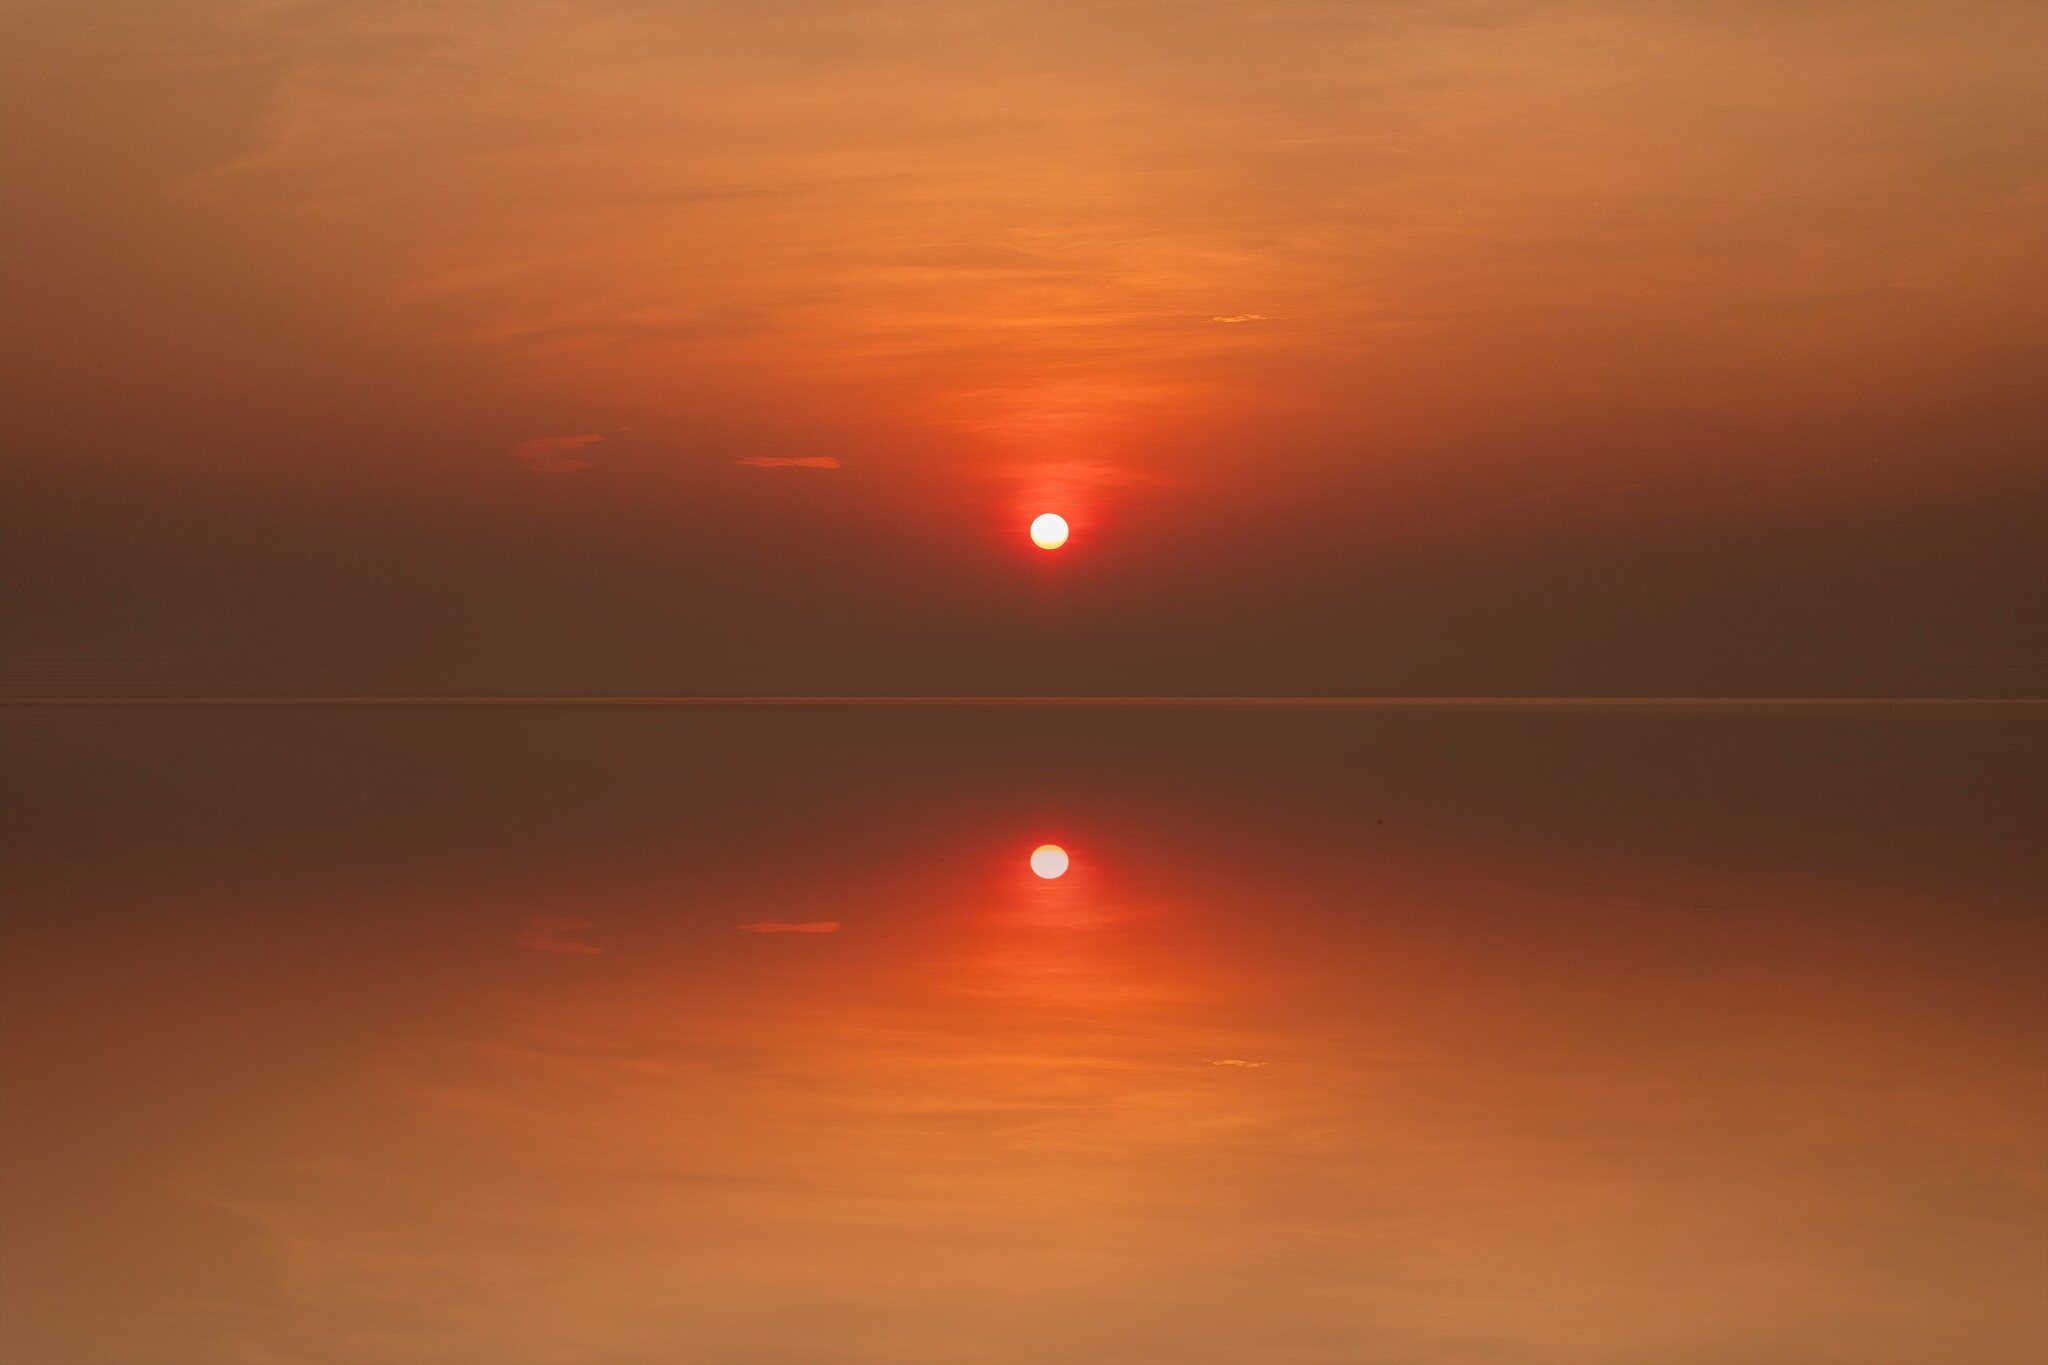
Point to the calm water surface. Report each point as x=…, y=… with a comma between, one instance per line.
x=724, y=1038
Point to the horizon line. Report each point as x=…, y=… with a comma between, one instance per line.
x=995, y=702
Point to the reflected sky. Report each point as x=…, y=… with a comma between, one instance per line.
x=638, y=1038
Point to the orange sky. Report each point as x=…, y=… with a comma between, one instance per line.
x=1412, y=319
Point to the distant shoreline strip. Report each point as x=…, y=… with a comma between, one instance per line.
x=1097, y=703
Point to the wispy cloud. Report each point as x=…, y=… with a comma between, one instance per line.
x=1235, y=1061
x=789, y=462
x=554, y=454
x=771, y=926
x=1243, y=317
x=554, y=934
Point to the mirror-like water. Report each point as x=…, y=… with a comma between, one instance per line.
x=637, y=1038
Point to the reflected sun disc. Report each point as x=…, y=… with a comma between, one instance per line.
x=1049, y=861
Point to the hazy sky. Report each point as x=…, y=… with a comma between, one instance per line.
x=1464, y=347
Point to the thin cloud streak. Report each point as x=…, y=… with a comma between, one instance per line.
x=555, y=454
x=789, y=462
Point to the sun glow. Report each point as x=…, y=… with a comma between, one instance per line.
x=1049, y=532
x=1049, y=861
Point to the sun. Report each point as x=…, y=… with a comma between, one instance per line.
x=1049, y=861
x=1049, y=530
